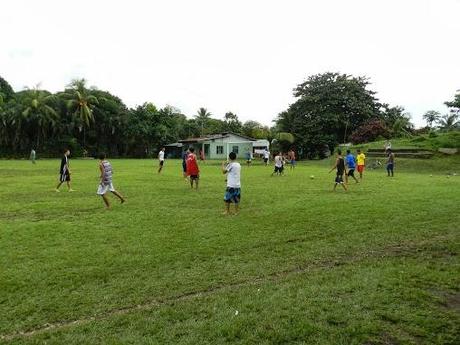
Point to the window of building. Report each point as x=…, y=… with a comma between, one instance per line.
x=219, y=150
x=235, y=149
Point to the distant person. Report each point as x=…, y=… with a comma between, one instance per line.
x=390, y=163
x=340, y=166
x=161, y=158
x=387, y=145
x=266, y=156
x=233, y=190
x=106, y=184
x=291, y=157
x=248, y=158
x=279, y=164
x=192, y=168
x=33, y=155
x=361, y=159
x=350, y=161
x=64, y=172
x=184, y=162
x=202, y=156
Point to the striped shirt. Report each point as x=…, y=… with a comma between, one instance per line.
x=107, y=172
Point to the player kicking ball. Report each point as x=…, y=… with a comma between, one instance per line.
x=106, y=181
x=233, y=190
x=340, y=166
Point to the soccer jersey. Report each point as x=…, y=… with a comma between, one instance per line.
x=64, y=165
x=161, y=156
x=107, y=172
x=361, y=158
x=351, y=161
x=192, y=165
x=233, y=175
x=278, y=161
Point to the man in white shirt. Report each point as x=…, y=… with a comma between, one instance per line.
x=233, y=190
x=161, y=158
x=279, y=164
x=266, y=155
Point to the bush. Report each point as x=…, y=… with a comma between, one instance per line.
x=370, y=131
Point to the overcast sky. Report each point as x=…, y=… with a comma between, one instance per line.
x=243, y=56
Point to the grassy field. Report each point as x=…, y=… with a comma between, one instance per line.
x=299, y=265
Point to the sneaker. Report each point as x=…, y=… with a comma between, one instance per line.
x=57, y=190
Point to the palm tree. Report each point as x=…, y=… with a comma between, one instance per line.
x=38, y=111
x=80, y=102
x=449, y=122
x=202, y=118
x=431, y=117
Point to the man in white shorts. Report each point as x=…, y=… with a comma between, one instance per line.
x=161, y=158
x=106, y=184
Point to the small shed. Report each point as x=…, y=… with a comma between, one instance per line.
x=174, y=150
x=218, y=146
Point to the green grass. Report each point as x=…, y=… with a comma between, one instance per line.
x=422, y=142
x=300, y=264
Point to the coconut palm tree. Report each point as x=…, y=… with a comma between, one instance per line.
x=449, y=122
x=38, y=111
x=431, y=117
x=80, y=101
x=202, y=117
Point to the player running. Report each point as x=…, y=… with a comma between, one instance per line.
x=340, y=166
x=361, y=158
x=106, y=181
x=351, y=165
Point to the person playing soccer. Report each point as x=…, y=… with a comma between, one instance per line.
x=340, y=166
x=192, y=168
x=351, y=165
x=361, y=158
x=106, y=181
x=64, y=172
x=248, y=158
x=390, y=162
x=33, y=155
x=161, y=158
x=291, y=157
x=184, y=162
x=233, y=190
x=266, y=156
x=279, y=164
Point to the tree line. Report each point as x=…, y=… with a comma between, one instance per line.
x=330, y=108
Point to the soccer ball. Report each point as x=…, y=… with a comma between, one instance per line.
x=312, y=177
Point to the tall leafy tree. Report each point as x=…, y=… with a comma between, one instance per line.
x=232, y=123
x=431, y=116
x=202, y=118
x=449, y=122
x=80, y=101
x=38, y=112
x=328, y=109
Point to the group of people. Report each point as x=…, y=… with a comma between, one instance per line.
x=347, y=166
x=345, y=169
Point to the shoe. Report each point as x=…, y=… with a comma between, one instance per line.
x=57, y=190
x=72, y=190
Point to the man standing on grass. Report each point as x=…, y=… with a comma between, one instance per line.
x=340, y=166
x=291, y=157
x=192, y=168
x=279, y=165
x=64, y=172
x=351, y=165
x=248, y=158
x=33, y=155
x=266, y=156
x=233, y=190
x=390, y=162
x=161, y=158
x=184, y=162
x=361, y=158
x=106, y=181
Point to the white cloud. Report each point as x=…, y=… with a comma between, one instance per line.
x=240, y=56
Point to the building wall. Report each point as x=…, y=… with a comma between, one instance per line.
x=233, y=142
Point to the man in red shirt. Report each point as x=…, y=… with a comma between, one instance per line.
x=192, y=168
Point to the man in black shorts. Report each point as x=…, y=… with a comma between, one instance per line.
x=340, y=166
x=64, y=172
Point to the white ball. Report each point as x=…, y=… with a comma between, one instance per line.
x=312, y=177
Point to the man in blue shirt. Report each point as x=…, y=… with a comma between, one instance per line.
x=350, y=161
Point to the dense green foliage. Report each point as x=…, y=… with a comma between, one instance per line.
x=299, y=265
x=92, y=120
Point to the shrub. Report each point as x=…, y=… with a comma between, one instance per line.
x=370, y=131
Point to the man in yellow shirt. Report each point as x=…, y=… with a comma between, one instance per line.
x=361, y=158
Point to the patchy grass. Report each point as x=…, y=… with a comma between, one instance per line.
x=300, y=264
